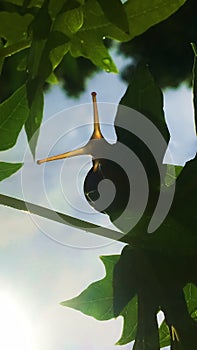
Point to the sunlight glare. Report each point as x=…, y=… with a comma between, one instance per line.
x=16, y=330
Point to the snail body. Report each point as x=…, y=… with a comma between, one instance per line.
x=107, y=186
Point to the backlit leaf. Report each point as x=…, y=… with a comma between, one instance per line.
x=7, y=169
x=97, y=299
x=141, y=16
x=190, y=291
x=8, y=21
x=13, y=114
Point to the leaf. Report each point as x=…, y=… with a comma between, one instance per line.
x=144, y=95
x=194, y=84
x=43, y=43
x=49, y=54
x=184, y=205
x=16, y=2
x=7, y=169
x=190, y=291
x=13, y=114
x=97, y=53
x=55, y=7
x=123, y=287
x=130, y=322
x=20, y=23
x=144, y=14
x=115, y=13
x=97, y=299
x=40, y=28
x=172, y=174
x=52, y=79
x=70, y=21
x=134, y=275
x=34, y=119
x=96, y=26
x=164, y=335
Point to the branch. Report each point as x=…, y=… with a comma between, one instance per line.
x=59, y=217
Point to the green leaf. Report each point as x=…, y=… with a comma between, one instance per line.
x=55, y=7
x=141, y=16
x=70, y=21
x=164, y=335
x=115, y=13
x=13, y=114
x=172, y=174
x=194, y=84
x=123, y=287
x=130, y=322
x=52, y=79
x=20, y=23
x=16, y=2
x=43, y=43
x=190, y=291
x=49, y=53
x=34, y=119
x=144, y=95
x=144, y=14
x=7, y=169
x=184, y=205
x=97, y=299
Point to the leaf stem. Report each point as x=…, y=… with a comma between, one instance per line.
x=194, y=84
x=193, y=45
x=59, y=217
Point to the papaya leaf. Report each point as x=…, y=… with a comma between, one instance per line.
x=7, y=169
x=52, y=79
x=144, y=14
x=115, y=13
x=13, y=114
x=20, y=23
x=15, y=2
x=96, y=26
x=34, y=119
x=130, y=322
x=194, y=84
x=190, y=291
x=164, y=335
x=43, y=43
x=55, y=7
x=172, y=174
x=144, y=95
x=97, y=299
x=123, y=287
x=186, y=192
x=69, y=21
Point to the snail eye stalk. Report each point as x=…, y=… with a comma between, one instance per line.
x=96, y=135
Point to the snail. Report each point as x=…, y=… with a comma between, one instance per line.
x=116, y=194
x=102, y=169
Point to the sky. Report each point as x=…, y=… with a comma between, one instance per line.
x=44, y=263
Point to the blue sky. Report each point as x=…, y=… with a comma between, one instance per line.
x=44, y=263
